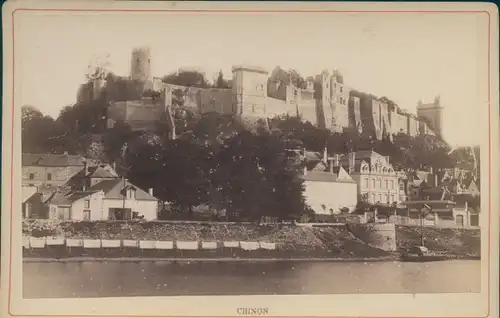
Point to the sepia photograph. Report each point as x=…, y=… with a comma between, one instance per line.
x=172, y=150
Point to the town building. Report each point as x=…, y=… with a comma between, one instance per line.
x=329, y=189
x=113, y=199
x=50, y=169
x=69, y=187
x=452, y=195
x=376, y=178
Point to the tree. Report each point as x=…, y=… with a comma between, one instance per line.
x=37, y=131
x=98, y=68
x=114, y=139
x=296, y=79
x=220, y=82
x=187, y=78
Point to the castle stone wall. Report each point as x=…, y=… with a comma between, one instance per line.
x=326, y=102
x=355, y=114
x=399, y=123
x=308, y=112
x=216, y=100
x=413, y=126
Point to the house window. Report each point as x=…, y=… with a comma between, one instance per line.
x=401, y=186
x=86, y=215
x=392, y=184
x=373, y=183
x=32, y=176
x=366, y=183
x=392, y=198
x=49, y=176
x=379, y=198
x=460, y=220
x=385, y=198
x=380, y=183
x=87, y=204
x=341, y=88
x=373, y=198
x=387, y=184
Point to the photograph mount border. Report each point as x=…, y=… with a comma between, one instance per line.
x=227, y=11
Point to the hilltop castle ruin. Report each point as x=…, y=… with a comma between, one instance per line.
x=324, y=100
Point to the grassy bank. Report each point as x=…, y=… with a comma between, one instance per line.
x=459, y=242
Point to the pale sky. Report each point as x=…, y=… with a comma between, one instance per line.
x=406, y=57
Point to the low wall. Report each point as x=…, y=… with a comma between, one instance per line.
x=381, y=236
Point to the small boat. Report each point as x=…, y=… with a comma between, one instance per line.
x=421, y=254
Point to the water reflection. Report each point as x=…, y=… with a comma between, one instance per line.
x=114, y=279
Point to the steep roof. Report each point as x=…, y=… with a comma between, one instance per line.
x=101, y=171
x=79, y=195
x=113, y=190
x=52, y=160
x=338, y=175
x=58, y=198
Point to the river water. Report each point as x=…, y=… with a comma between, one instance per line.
x=114, y=279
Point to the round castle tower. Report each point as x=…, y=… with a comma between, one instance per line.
x=140, y=68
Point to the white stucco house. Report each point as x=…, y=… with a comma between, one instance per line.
x=99, y=194
x=328, y=188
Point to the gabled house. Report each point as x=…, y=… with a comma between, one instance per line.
x=329, y=189
x=94, y=192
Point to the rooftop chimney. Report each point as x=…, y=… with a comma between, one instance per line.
x=150, y=191
x=336, y=160
x=330, y=164
x=352, y=160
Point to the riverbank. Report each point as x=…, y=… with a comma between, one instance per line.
x=391, y=258
x=178, y=241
